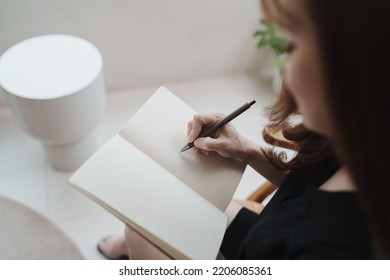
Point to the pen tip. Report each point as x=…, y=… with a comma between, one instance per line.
x=185, y=148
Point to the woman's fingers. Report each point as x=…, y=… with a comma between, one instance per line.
x=225, y=142
x=189, y=128
x=208, y=144
x=198, y=122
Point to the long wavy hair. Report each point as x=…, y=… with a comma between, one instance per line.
x=311, y=148
x=353, y=35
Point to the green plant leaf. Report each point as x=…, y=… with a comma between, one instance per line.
x=278, y=44
x=262, y=43
x=268, y=37
x=259, y=33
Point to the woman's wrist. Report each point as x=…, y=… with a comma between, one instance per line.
x=252, y=154
x=250, y=151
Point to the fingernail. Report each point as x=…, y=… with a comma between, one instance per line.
x=204, y=152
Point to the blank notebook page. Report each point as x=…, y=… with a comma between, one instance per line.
x=159, y=129
x=130, y=183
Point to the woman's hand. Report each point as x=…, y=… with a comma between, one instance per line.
x=141, y=249
x=227, y=141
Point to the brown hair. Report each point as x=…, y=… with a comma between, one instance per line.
x=311, y=147
x=356, y=60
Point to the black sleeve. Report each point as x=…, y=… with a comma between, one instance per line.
x=236, y=233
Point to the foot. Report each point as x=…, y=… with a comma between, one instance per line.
x=113, y=247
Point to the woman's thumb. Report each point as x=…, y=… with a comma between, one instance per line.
x=206, y=143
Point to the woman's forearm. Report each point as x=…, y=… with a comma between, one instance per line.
x=254, y=156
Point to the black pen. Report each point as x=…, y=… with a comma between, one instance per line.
x=220, y=124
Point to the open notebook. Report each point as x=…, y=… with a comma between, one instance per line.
x=175, y=200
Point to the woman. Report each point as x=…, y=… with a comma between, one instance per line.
x=332, y=201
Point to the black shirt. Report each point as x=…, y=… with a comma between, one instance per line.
x=301, y=222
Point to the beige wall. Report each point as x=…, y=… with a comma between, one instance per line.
x=145, y=41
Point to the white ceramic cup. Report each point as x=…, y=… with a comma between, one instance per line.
x=55, y=88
